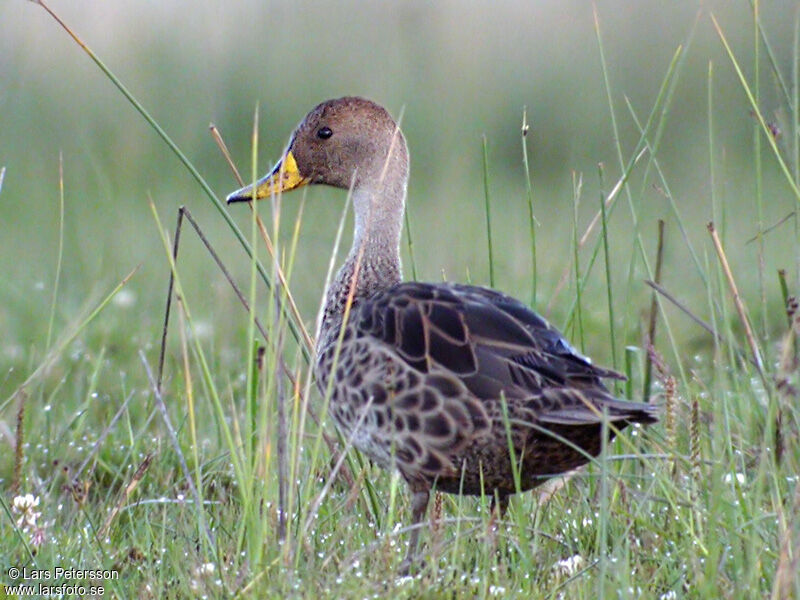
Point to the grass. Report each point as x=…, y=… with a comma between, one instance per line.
x=225, y=481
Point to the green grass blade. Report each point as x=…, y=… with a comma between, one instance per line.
x=487, y=206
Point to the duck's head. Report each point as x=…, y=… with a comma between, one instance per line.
x=349, y=143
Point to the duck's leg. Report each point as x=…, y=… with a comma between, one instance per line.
x=419, y=504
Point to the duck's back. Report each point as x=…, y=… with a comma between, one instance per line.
x=433, y=378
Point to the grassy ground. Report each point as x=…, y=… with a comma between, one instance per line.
x=225, y=483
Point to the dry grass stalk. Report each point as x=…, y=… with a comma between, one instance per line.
x=670, y=401
x=786, y=366
x=694, y=437
x=19, y=445
x=694, y=452
x=785, y=584
x=737, y=299
x=436, y=522
x=126, y=493
x=651, y=327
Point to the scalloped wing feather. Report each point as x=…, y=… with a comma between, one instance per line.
x=491, y=342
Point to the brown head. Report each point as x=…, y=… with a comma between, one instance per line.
x=346, y=143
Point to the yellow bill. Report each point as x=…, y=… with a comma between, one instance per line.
x=283, y=177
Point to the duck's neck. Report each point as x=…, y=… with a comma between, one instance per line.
x=373, y=263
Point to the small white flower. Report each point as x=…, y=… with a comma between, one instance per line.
x=207, y=568
x=569, y=566
x=23, y=503
x=740, y=477
x=25, y=507
x=670, y=595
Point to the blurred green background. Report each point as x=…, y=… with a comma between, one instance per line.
x=456, y=71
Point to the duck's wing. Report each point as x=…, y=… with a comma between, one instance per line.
x=496, y=347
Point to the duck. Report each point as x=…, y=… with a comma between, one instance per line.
x=460, y=388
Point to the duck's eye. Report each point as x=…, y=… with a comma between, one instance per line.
x=324, y=133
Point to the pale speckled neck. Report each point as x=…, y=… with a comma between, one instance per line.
x=378, y=219
x=378, y=207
